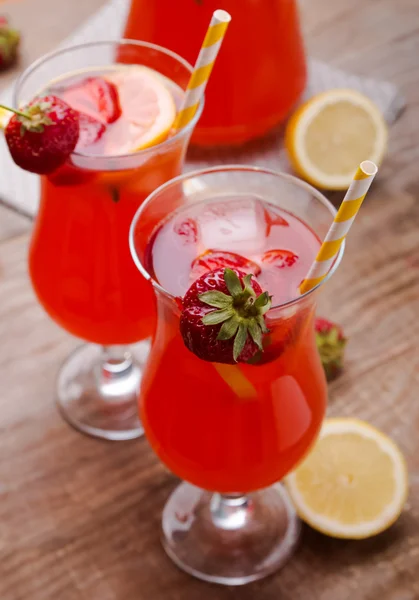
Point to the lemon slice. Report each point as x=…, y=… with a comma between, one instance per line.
x=4, y=117
x=331, y=134
x=148, y=110
x=354, y=482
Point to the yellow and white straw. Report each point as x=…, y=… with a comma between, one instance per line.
x=203, y=68
x=341, y=225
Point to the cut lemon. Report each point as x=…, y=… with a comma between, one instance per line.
x=4, y=117
x=331, y=134
x=354, y=482
x=148, y=110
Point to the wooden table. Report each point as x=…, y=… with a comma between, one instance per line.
x=79, y=518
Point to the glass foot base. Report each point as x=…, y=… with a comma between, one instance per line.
x=100, y=398
x=229, y=540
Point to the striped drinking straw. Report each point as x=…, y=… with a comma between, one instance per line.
x=341, y=225
x=203, y=67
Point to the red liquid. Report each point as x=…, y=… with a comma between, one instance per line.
x=79, y=260
x=260, y=71
x=234, y=428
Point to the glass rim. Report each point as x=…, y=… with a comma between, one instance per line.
x=200, y=172
x=120, y=42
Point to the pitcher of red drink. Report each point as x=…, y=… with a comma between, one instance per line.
x=261, y=69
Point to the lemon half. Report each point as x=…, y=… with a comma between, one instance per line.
x=331, y=134
x=148, y=109
x=354, y=482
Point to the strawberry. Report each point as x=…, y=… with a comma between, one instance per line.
x=43, y=134
x=9, y=44
x=96, y=97
x=331, y=342
x=215, y=259
x=232, y=333
x=106, y=96
x=279, y=258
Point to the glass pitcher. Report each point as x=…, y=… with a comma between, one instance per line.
x=261, y=69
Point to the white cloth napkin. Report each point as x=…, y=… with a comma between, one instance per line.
x=20, y=189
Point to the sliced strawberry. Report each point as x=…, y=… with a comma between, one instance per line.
x=105, y=94
x=279, y=258
x=96, y=97
x=272, y=219
x=188, y=229
x=91, y=130
x=217, y=259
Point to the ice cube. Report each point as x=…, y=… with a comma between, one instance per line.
x=237, y=225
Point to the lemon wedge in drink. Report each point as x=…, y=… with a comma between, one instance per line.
x=331, y=134
x=354, y=482
x=148, y=109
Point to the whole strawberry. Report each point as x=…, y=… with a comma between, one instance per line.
x=223, y=316
x=42, y=135
x=331, y=344
x=9, y=44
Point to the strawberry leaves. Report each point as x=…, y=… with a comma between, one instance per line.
x=233, y=283
x=240, y=313
x=218, y=316
x=35, y=117
x=229, y=329
x=216, y=299
x=239, y=341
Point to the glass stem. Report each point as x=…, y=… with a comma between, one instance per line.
x=117, y=360
x=230, y=511
x=116, y=374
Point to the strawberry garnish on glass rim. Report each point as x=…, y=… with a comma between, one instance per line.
x=222, y=317
x=42, y=135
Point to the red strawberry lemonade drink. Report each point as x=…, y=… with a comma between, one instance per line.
x=234, y=394
x=79, y=259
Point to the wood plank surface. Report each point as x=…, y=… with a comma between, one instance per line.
x=79, y=518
